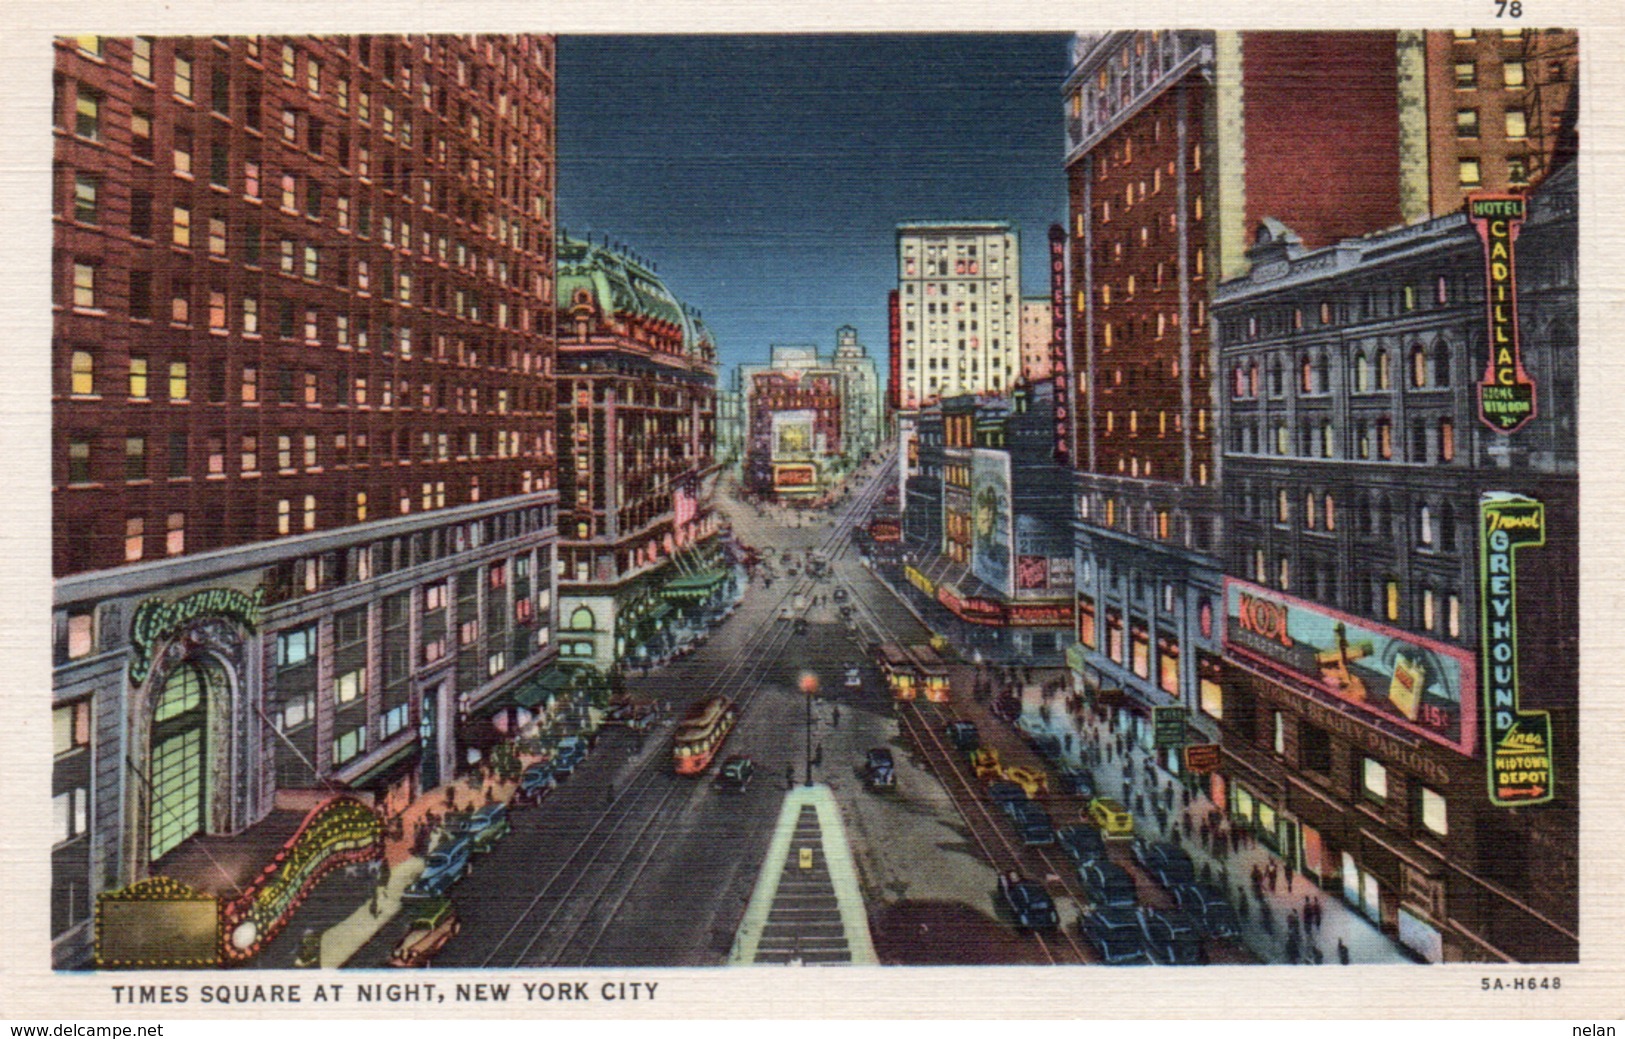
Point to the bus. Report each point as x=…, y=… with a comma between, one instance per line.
x=933, y=672
x=701, y=732
x=898, y=667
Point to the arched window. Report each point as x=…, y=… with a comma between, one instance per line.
x=1447, y=528
x=582, y=619
x=1331, y=513
x=1275, y=377
x=1424, y=525
x=1362, y=373
x=1447, y=440
x=1419, y=366
x=1385, y=438
x=1306, y=374
x=1252, y=380
x=1241, y=382
x=1441, y=363
x=1310, y=513
x=1385, y=379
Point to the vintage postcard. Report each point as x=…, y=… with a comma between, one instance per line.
x=663, y=522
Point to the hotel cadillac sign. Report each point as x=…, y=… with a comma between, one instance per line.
x=156, y=620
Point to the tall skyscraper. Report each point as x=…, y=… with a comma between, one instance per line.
x=303, y=409
x=959, y=288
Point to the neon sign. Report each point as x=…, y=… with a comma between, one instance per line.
x=1506, y=396
x=1518, y=743
x=156, y=620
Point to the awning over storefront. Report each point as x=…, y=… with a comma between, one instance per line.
x=388, y=770
x=694, y=586
x=535, y=692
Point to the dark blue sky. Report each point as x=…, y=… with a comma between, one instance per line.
x=764, y=175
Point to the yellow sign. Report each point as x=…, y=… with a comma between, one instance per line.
x=806, y=858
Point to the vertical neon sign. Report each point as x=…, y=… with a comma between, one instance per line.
x=1057, y=342
x=1506, y=395
x=1518, y=743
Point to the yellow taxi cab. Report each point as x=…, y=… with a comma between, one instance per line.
x=985, y=760
x=1112, y=817
x=1032, y=780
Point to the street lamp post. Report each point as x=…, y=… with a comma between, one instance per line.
x=809, y=686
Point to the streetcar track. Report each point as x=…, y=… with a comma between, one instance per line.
x=729, y=677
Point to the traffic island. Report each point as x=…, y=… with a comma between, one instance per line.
x=807, y=907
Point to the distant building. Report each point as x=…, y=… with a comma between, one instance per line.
x=637, y=467
x=860, y=392
x=730, y=424
x=794, y=445
x=959, y=288
x=1037, y=327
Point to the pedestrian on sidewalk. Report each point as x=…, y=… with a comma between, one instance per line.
x=836, y=724
x=1292, y=947
x=1292, y=923
x=1342, y=953
x=1272, y=874
x=1258, y=880
x=1290, y=872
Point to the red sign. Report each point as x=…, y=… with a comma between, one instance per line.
x=975, y=610
x=1201, y=757
x=1032, y=572
x=1506, y=395
x=1039, y=614
x=1058, y=344
x=895, y=340
x=886, y=530
x=793, y=476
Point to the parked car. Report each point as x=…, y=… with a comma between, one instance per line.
x=1028, y=902
x=1107, y=884
x=1168, y=863
x=1076, y=781
x=1082, y=843
x=1112, y=817
x=839, y=595
x=1033, y=824
x=736, y=773
x=1114, y=932
x=1048, y=747
x=963, y=735
x=1208, y=907
x=1004, y=794
x=879, y=769
x=1032, y=780
x=1171, y=937
x=801, y=626
x=435, y=924
x=444, y=867
x=786, y=612
x=484, y=827
x=535, y=784
x=568, y=753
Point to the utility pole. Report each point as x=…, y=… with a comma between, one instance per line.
x=809, y=687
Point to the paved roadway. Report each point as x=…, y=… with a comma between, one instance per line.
x=629, y=864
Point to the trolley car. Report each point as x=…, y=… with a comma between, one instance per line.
x=701, y=732
x=898, y=667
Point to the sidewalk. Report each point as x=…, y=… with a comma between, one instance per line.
x=1231, y=868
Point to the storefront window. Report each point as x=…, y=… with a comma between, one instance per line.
x=1168, y=665
x=1086, y=623
x=1142, y=652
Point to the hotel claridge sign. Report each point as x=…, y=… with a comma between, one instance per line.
x=1206, y=550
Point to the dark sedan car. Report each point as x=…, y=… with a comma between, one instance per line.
x=1171, y=937
x=1076, y=781
x=1082, y=844
x=1108, y=884
x=1210, y=910
x=1029, y=903
x=1169, y=864
x=1004, y=794
x=1114, y=932
x=1033, y=824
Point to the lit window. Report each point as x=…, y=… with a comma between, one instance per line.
x=1466, y=122
x=138, y=378
x=141, y=57
x=1512, y=73
x=1374, y=779
x=88, y=121
x=1466, y=75
x=134, y=538
x=217, y=311
x=85, y=190
x=1391, y=600
x=1468, y=176
x=84, y=285
x=177, y=380
x=1517, y=124
x=82, y=373
x=283, y=515
x=181, y=226
x=175, y=536
x=183, y=77
x=1431, y=808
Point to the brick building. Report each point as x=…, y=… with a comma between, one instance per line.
x=303, y=492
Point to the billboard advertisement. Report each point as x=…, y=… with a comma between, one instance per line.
x=1043, y=556
x=1518, y=742
x=991, y=528
x=1417, y=684
x=792, y=434
x=796, y=477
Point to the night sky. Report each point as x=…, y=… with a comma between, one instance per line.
x=764, y=175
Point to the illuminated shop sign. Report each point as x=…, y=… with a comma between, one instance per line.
x=794, y=476
x=1414, y=683
x=1039, y=614
x=1506, y=396
x=1057, y=340
x=1518, y=743
x=156, y=620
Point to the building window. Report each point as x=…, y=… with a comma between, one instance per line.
x=1391, y=599
x=88, y=121
x=1466, y=75
x=284, y=514
x=135, y=530
x=1467, y=122
x=1278, y=735
x=1452, y=616
x=350, y=745
x=310, y=512
x=1468, y=175
x=181, y=226
x=1517, y=124
x=183, y=77
x=1517, y=170
x=1373, y=780
x=82, y=374
x=1430, y=614
x=175, y=534
x=1430, y=811
x=177, y=380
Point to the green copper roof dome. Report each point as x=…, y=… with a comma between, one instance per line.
x=622, y=284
